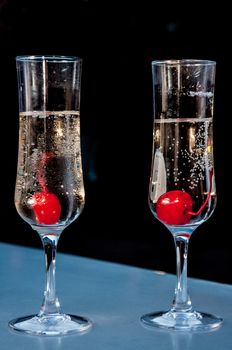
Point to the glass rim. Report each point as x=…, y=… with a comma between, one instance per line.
x=49, y=58
x=184, y=62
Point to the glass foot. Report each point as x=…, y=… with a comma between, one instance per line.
x=194, y=321
x=54, y=325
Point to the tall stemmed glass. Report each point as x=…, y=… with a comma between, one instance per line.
x=49, y=192
x=182, y=193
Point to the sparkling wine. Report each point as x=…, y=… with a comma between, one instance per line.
x=183, y=160
x=49, y=161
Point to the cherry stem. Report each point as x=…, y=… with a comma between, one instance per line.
x=44, y=158
x=207, y=198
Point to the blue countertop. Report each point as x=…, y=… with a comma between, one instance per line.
x=113, y=296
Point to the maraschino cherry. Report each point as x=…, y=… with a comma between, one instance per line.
x=175, y=207
x=46, y=205
x=46, y=208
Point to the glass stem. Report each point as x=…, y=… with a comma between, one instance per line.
x=50, y=305
x=181, y=302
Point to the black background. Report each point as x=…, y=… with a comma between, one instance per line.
x=118, y=41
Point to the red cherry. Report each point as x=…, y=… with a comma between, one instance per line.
x=174, y=207
x=46, y=207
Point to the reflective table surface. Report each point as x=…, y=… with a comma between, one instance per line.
x=113, y=296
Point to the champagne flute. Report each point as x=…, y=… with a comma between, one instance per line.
x=49, y=192
x=182, y=192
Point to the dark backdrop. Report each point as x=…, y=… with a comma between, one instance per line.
x=118, y=41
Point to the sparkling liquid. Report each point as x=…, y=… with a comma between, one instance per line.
x=49, y=160
x=183, y=160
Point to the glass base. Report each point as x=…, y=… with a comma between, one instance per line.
x=53, y=325
x=193, y=321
